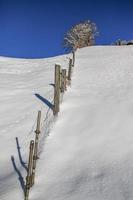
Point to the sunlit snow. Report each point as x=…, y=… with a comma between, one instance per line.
x=87, y=152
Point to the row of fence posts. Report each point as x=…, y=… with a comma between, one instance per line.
x=62, y=79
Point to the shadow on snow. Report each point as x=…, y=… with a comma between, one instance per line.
x=45, y=101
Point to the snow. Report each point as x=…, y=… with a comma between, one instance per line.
x=85, y=153
x=20, y=80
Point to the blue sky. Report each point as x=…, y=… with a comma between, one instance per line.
x=35, y=28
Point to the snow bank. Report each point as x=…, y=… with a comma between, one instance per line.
x=88, y=154
x=22, y=82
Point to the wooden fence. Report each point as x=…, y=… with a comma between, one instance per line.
x=62, y=79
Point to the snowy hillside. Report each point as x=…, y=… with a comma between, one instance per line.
x=88, y=154
x=25, y=86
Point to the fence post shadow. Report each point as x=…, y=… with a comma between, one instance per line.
x=20, y=177
x=52, y=84
x=45, y=101
x=19, y=155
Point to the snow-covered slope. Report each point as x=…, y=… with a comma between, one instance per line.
x=89, y=152
x=25, y=88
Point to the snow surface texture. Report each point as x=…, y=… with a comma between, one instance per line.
x=25, y=87
x=88, y=154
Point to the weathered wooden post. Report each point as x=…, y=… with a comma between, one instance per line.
x=73, y=53
x=65, y=77
x=63, y=80
x=35, y=155
x=69, y=71
x=57, y=90
x=29, y=171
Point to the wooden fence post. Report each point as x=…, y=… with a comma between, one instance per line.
x=35, y=156
x=69, y=71
x=57, y=90
x=29, y=171
x=63, y=80
x=65, y=77
x=73, y=58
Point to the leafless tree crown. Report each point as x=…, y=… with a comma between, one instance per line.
x=81, y=35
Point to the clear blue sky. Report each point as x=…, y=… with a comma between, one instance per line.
x=35, y=28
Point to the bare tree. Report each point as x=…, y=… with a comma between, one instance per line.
x=80, y=35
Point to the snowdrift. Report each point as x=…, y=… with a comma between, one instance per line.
x=88, y=153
